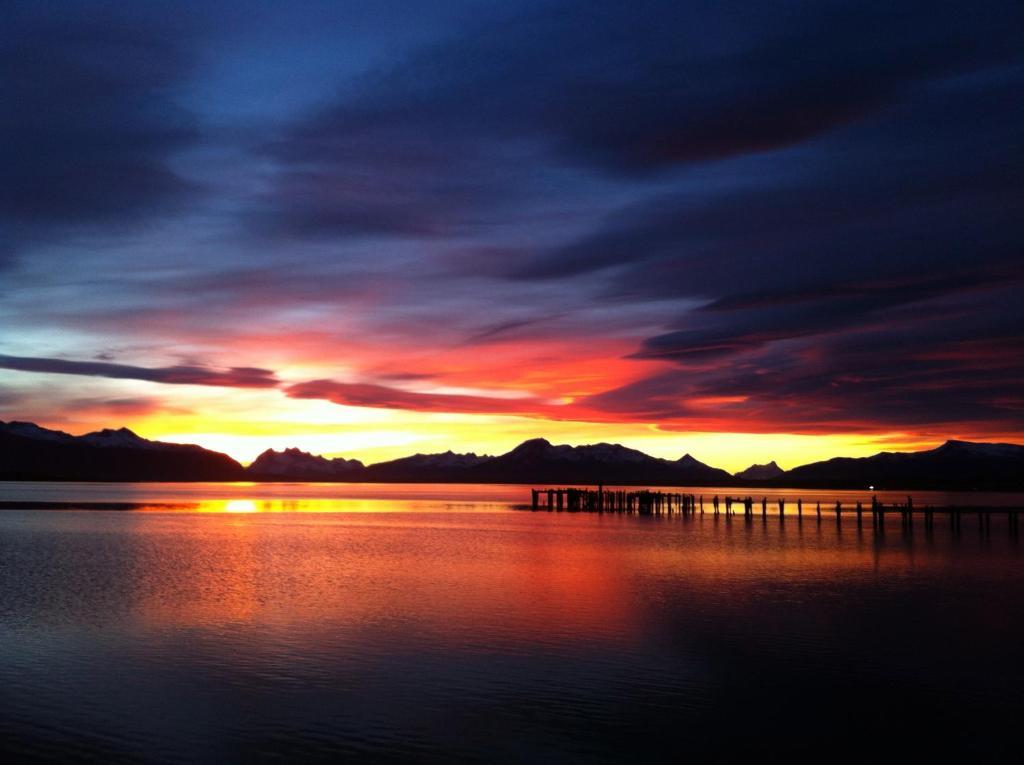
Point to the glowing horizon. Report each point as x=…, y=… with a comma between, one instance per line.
x=244, y=423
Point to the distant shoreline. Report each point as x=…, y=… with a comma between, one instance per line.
x=738, y=487
x=31, y=453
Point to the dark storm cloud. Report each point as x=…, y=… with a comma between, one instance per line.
x=680, y=82
x=742, y=323
x=234, y=377
x=914, y=187
x=336, y=180
x=867, y=277
x=652, y=84
x=907, y=370
x=868, y=284
x=89, y=118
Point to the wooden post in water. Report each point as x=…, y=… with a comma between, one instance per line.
x=665, y=503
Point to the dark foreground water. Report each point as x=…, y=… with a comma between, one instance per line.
x=416, y=623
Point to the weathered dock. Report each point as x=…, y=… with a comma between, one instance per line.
x=649, y=502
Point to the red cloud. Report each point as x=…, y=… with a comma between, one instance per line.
x=384, y=397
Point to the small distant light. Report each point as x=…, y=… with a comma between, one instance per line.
x=871, y=488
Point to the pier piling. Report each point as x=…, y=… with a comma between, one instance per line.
x=658, y=503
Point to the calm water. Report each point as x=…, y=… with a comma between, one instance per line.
x=440, y=622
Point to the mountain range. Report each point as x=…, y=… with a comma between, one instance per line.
x=31, y=453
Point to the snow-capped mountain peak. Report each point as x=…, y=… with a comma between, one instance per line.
x=33, y=431
x=122, y=438
x=980, y=450
x=294, y=462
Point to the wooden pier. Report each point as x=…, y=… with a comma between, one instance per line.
x=657, y=503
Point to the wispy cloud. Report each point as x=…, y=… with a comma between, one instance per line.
x=232, y=377
x=383, y=396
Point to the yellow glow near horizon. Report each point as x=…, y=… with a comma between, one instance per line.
x=244, y=423
x=412, y=432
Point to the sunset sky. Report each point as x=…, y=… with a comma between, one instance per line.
x=789, y=230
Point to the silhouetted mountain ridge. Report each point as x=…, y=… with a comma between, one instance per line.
x=537, y=460
x=29, y=452
x=426, y=468
x=295, y=464
x=954, y=465
x=766, y=472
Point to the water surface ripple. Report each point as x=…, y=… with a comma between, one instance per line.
x=441, y=622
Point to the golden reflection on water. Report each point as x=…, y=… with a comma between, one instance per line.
x=434, y=576
x=312, y=505
x=455, y=564
x=517, y=577
x=417, y=611
x=260, y=606
x=234, y=506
